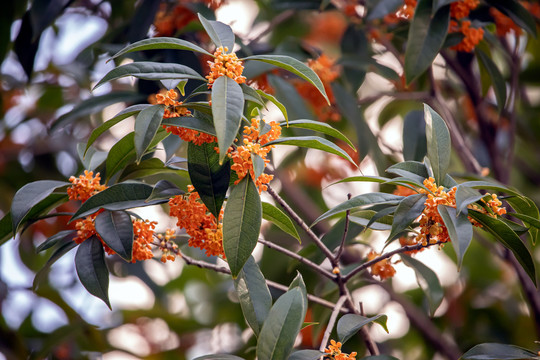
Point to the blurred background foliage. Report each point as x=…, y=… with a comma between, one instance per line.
x=54, y=51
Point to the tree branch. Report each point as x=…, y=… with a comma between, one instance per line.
x=331, y=322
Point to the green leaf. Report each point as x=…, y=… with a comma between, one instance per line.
x=210, y=179
x=427, y=280
x=250, y=94
x=253, y=294
x=349, y=324
x=116, y=230
x=118, y=197
x=282, y=325
x=376, y=179
x=438, y=144
x=517, y=13
x=148, y=70
x=219, y=357
x=313, y=142
x=298, y=282
x=6, y=228
x=227, y=108
x=280, y=219
x=414, y=136
x=92, y=270
x=406, y=212
x=160, y=43
x=53, y=240
x=413, y=170
x=219, y=33
x=66, y=245
x=150, y=167
x=146, y=126
x=497, y=80
x=296, y=67
x=306, y=355
x=459, y=229
x=504, y=234
x=189, y=122
x=241, y=224
x=94, y=105
x=426, y=38
x=258, y=165
x=464, y=197
x=276, y=102
x=376, y=220
x=124, y=114
x=382, y=8
x=494, y=351
x=320, y=127
x=164, y=190
x=361, y=200
x=30, y=195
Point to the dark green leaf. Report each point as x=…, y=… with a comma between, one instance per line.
x=28, y=196
x=459, y=229
x=383, y=8
x=361, y=200
x=150, y=167
x=227, y=108
x=219, y=33
x=412, y=170
x=275, y=101
x=161, y=43
x=504, y=234
x=281, y=327
x=320, y=127
x=296, y=67
x=306, y=355
x=146, y=126
x=66, y=245
x=6, y=228
x=414, y=136
x=241, y=224
x=428, y=281
x=494, y=351
x=253, y=294
x=164, y=189
x=438, y=144
x=250, y=94
x=280, y=219
x=349, y=324
x=116, y=230
x=118, y=197
x=127, y=112
x=53, y=240
x=376, y=179
x=210, y=179
x=92, y=270
x=499, y=85
x=374, y=220
x=313, y=142
x=407, y=211
x=464, y=197
x=189, y=122
x=379, y=357
x=426, y=38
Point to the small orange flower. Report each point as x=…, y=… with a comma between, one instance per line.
x=334, y=352
x=503, y=23
x=405, y=12
x=473, y=36
x=85, y=186
x=461, y=9
x=225, y=65
x=383, y=269
x=143, y=236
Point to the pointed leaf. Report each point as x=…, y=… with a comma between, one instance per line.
x=276, y=102
x=320, y=127
x=438, y=143
x=6, y=228
x=241, y=224
x=219, y=33
x=427, y=280
x=361, y=200
x=504, y=234
x=158, y=43
x=258, y=165
x=412, y=170
x=376, y=179
x=281, y=327
x=164, y=189
x=313, y=142
x=30, y=195
x=66, y=244
x=306, y=355
x=494, y=351
x=53, y=240
x=253, y=294
x=497, y=80
x=296, y=67
x=349, y=324
x=459, y=229
x=146, y=126
x=382, y=8
x=426, y=38
x=464, y=197
x=280, y=219
x=414, y=136
x=118, y=197
x=92, y=270
x=116, y=230
x=149, y=70
x=407, y=211
x=210, y=179
x=250, y=94
x=227, y=108
x=193, y=123
x=149, y=167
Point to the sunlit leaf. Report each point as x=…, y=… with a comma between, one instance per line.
x=280, y=219
x=319, y=127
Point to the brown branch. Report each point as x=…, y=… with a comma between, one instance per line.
x=345, y=231
x=331, y=322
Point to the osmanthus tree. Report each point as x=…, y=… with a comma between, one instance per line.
x=217, y=120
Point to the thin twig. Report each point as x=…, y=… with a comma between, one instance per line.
x=331, y=322
x=303, y=260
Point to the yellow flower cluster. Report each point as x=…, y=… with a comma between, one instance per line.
x=334, y=352
x=225, y=65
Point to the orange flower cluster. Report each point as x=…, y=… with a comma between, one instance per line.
x=327, y=71
x=85, y=186
x=503, y=23
x=168, y=20
x=225, y=65
x=405, y=12
x=334, y=352
x=473, y=36
x=204, y=230
x=404, y=191
x=461, y=9
x=254, y=144
x=143, y=236
x=383, y=269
